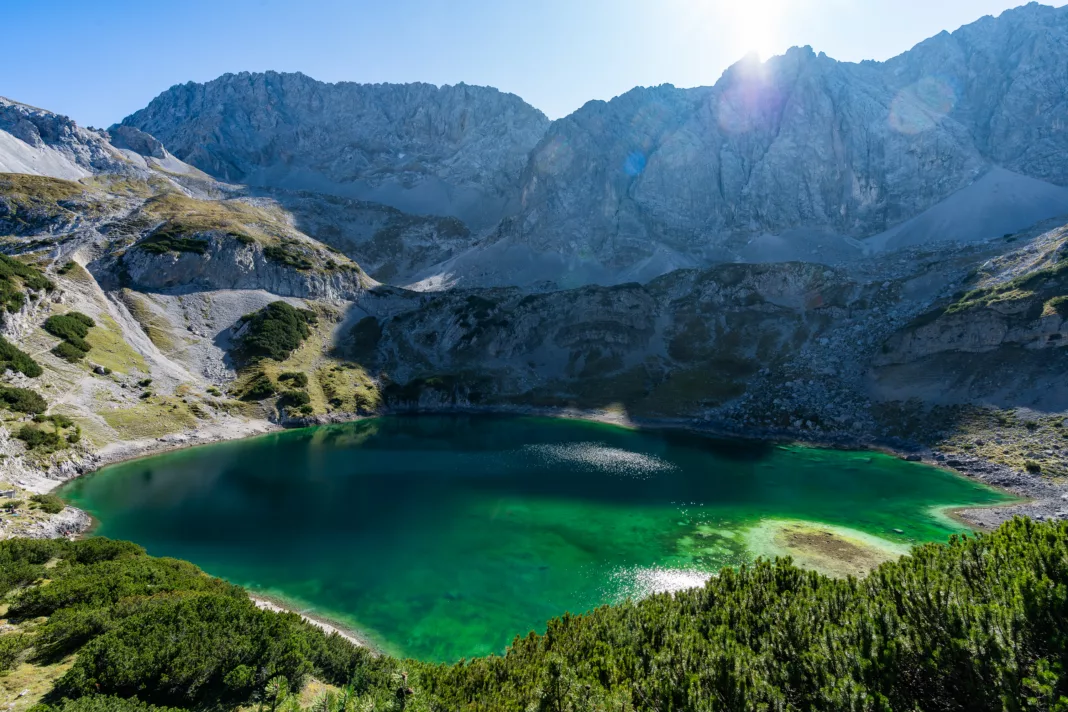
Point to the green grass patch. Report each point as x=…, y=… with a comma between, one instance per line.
x=155, y=326
x=1021, y=287
x=111, y=350
x=258, y=388
x=152, y=417
x=187, y=216
x=1057, y=305
x=297, y=379
x=29, y=203
x=348, y=387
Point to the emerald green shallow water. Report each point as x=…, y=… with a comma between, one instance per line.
x=444, y=537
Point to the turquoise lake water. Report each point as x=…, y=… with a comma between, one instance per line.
x=441, y=537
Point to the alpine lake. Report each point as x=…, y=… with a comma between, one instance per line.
x=444, y=537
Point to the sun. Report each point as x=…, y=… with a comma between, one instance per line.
x=755, y=25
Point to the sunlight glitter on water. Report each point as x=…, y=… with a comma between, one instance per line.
x=639, y=582
x=614, y=461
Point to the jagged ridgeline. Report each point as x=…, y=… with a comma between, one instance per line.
x=980, y=623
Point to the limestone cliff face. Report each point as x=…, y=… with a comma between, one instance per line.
x=39, y=142
x=1020, y=300
x=393, y=246
x=802, y=146
x=682, y=345
x=453, y=150
x=801, y=141
x=1001, y=342
x=230, y=264
x=1005, y=80
x=1015, y=323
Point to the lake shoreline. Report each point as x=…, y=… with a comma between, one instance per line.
x=267, y=601
x=324, y=623
x=1037, y=497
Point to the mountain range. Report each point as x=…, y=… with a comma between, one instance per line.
x=798, y=157
x=872, y=252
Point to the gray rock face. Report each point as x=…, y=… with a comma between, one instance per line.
x=802, y=141
x=1003, y=340
x=454, y=150
x=796, y=158
x=391, y=245
x=673, y=346
x=38, y=142
x=1006, y=80
x=232, y=265
x=137, y=141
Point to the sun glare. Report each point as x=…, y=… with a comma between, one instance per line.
x=754, y=24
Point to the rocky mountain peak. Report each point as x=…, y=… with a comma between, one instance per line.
x=450, y=150
x=800, y=157
x=39, y=142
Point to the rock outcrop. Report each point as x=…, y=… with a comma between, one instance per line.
x=137, y=141
x=452, y=150
x=684, y=345
x=230, y=264
x=1001, y=342
x=39, y=142
x=393, y=246
x=801, y=141
x=795, y=158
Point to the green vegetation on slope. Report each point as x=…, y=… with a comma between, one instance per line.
x=15, y=359
x=1014, y=439
x=29, y=203
x=15, y=279
x=288, y=254
x=978, y=624
x=186, y=216
x=50, y=503
x=49, y=433
x=273, y=332
x=22, y=400
x=72, y=327
x=170, y=239
x=1049, y=280
x=156, y=628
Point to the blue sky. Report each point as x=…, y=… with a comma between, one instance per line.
x=99, y=61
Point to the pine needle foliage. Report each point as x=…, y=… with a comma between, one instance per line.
x=274, y=332
x=979, y=624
